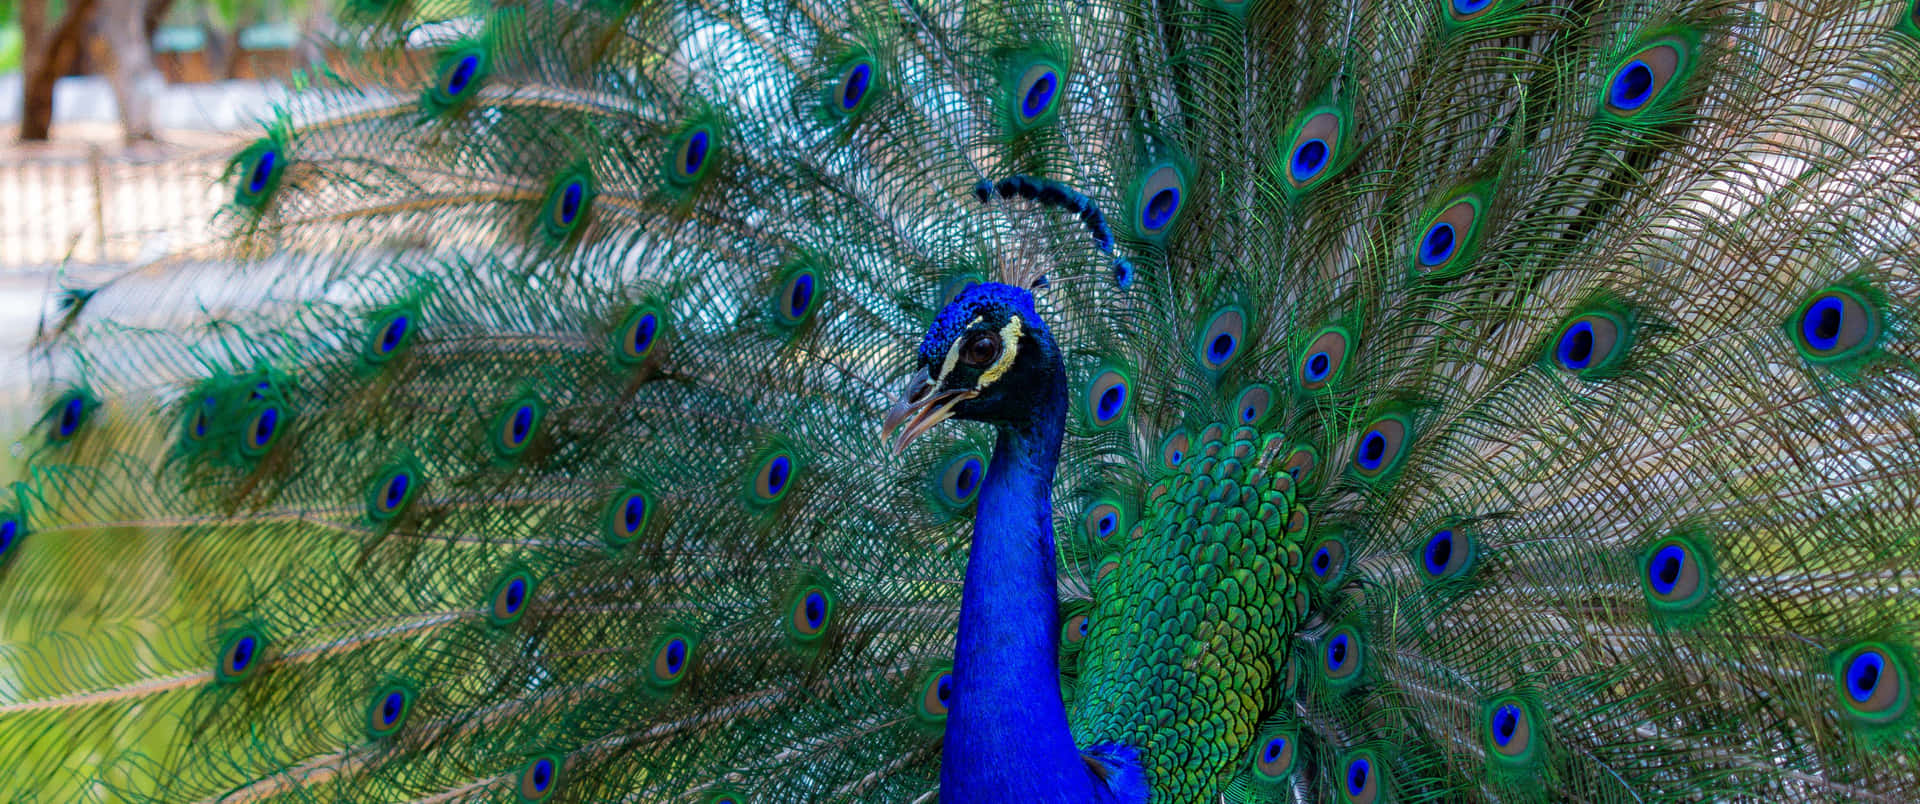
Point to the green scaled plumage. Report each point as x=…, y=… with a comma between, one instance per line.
x=1513, y=401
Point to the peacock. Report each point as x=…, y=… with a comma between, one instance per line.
x=1172, y=401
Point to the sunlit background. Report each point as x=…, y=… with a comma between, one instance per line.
x=117, y=120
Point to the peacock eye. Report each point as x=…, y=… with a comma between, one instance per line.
x=981, y=349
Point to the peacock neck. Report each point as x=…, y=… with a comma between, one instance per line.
x=1007, y=737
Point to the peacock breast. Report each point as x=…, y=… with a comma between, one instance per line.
x=1189, y=628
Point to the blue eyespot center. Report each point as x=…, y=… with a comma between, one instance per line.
x=816, y=609
x=969, y=478
x=676, y=655
x=632, y=514
x=777, y=473
x=394, y=332
x=855, y=88
x=72, y=412
x=514, y=596
x=1319, y=366
x=522, y=424
x=541, y=775
x=1632, y=86
x=1039, y=95
x=1863, y=675
x=643, y=332
x=1106, y=524
x=391, y=707
x=1337, y=650
x=1309, y=158
x=943, y=689
x=1160, y=208
x=263, y=426
x=9, y=530
x=1820, y=326
x=571, y=197
x=1439, y=552
x=696, y=155
x=462, y=74
x=1373, y=450
x=1274, y=747
x=1110, y=401
x=241, y=657
x=1220, y=348
x=1438, y=245
x=396, y=491
x=1470, y=7
x=1576, y=346
x=262, y=172
x=1083, y=625
x=1357, y=773
x=1663, y=572
x=1249, y=414
x=801, y=296
x=1322, y=562
x=1506, y=722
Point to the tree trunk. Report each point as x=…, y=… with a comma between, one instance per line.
x=135, y=79
x=50, y=53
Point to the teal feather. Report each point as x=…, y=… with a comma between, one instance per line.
x=514, y=440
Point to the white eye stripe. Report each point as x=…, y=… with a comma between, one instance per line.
x=1009, y=344
x=953, y=350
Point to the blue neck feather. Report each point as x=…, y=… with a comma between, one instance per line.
x=1007, y=737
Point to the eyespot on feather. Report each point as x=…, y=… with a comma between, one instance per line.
x=1835, y=324
x=13, y=531
x=1221, y=340
x=1342, y=656
x=855, y=87
x=1174, y=450
x=1158, y=201
x=1644, y=80
x=507, y=602
x=1253, y=405
x=1381, y=446
x=539, y=778
x=693, y=154
x=1447, y=554
x=1591, y=344
x=392, y=491
x=387, y=710
x=1107, y=397
x=389, y=336
x=625, y=518
x=958, y=482
x=1035, y=92
x=1323, y=358
x=1676, y=574
x=1102, y=522
x=1328, y=561
x=935, y=697
x=1272, y=756
x=638, y=334
x=1444, y=244
x=1873, y=683
x=1313, y=154
x=68, y=414
x=1360, y=778
x=1510, y=731
x=773, y=477
x=809, y=614
x=672, y=659
x=240, y=655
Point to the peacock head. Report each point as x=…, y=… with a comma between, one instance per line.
x=988, y=358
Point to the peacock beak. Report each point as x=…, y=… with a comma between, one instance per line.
x=919, y=409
